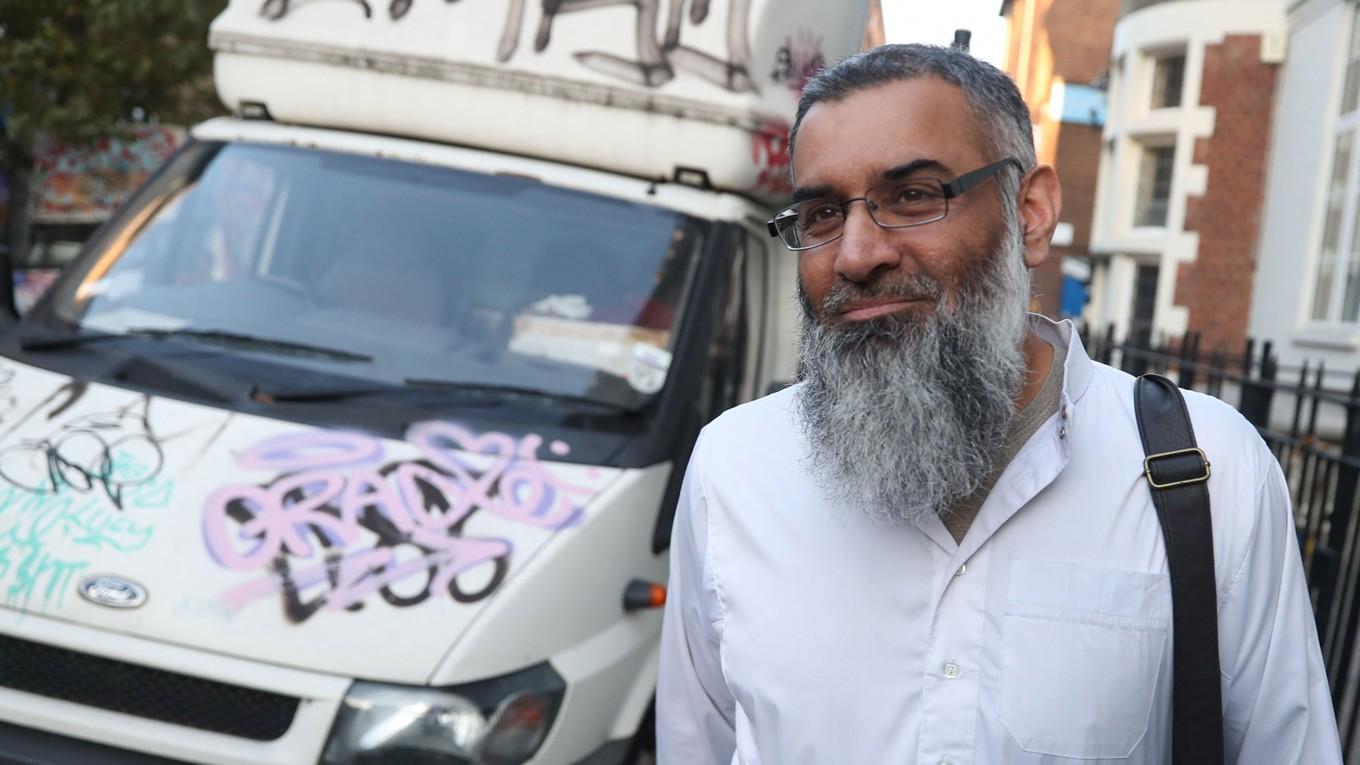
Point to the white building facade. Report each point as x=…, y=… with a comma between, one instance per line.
x=1307, y=295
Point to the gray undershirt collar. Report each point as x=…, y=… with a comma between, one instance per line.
x=958, y=518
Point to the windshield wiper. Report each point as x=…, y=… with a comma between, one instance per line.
x=416, y=385
x=525, y=391
x=252, y=342
x=266, y=395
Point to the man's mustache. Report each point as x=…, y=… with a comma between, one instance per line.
x=915, y=286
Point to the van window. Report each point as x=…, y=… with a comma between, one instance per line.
x=723, y=385
x=434, y=274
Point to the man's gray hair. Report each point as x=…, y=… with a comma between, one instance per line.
x=1002, y=119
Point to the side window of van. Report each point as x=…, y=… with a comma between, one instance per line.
x=758, y=303
x=726, y=383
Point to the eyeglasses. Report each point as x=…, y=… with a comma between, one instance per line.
x=895, y=204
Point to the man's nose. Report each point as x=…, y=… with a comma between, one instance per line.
x=865, y=246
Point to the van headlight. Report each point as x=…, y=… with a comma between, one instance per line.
x=501, y=721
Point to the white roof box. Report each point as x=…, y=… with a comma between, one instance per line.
x=642, y=87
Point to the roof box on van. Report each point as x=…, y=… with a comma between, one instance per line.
x=649, y=88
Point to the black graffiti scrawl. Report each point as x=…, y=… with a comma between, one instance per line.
x=658, y=58
x=108, y=452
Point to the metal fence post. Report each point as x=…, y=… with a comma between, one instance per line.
x=1107, y=345
x=1136, y=363
x=1214, y=379
x=1257, y=393
x=1188, y=361
x=1340, y=527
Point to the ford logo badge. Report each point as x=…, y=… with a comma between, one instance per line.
x=112, y=591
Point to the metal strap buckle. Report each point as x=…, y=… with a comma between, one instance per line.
x=1147, y=468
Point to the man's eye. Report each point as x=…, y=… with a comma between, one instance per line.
x=822, y=214
x=911, y=194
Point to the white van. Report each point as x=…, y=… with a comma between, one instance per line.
x=355, y=436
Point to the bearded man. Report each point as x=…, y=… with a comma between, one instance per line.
x=939, y=546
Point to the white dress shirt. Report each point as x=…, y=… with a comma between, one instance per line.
x=801, y=632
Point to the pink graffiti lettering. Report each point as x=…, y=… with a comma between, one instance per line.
x=300, y=451
x=339, y=513
x=278, y=524
x=526, y=492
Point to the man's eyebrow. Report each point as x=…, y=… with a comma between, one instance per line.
x=824, y=191
x=914, y=166
x=804, y=193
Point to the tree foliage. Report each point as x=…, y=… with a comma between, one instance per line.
x=78, y=69
x=81, y=70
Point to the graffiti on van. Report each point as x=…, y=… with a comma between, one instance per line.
x=71, y=441
x=107, y=453
x=797, y=60
x=47, y=538
x=770, y=156
x=658, y=56
x=9, y=402
x=658, y=60
x=82, y=476
x=341, y=523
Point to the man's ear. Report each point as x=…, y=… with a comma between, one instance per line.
x=1040, y=203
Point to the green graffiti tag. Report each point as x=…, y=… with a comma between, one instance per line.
x=47, y=536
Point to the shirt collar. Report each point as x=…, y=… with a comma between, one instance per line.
x=1078, y=369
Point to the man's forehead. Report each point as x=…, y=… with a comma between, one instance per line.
x=872, y=131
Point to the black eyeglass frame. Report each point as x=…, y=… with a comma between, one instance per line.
x=951, y=189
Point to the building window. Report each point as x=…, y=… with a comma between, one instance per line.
x=1154, y=185
x=1168, y=76
x=1336, y=281
x=1351, y=95
x=1144, y=303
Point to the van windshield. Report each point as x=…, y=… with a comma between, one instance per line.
x=417, y=274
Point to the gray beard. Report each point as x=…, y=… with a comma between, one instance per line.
x=903, y=415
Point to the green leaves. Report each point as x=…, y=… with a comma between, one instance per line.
x=77, y=69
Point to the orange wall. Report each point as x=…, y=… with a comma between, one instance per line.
x=1067, y=40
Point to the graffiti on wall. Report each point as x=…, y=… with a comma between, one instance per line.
x=658, y=56
x=86, y=184
x=74, y=491
x=341, y=523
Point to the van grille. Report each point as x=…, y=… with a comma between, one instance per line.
x=143, y=691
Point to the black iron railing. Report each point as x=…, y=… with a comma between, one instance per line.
x=1313, y=427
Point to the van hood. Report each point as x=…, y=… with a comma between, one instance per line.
x=326, y=550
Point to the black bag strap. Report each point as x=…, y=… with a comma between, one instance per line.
x=1177, y=472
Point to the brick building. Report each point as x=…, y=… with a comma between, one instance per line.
x=1186, y=147
x=1058, y=53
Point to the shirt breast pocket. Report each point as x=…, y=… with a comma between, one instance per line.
x=1081, y=659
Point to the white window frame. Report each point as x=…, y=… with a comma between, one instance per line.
x=1155, y=58
x=1346, y=257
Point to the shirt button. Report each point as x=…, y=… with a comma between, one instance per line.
x=962, y=570
x=951, y=670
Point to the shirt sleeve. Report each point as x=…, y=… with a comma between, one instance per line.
x=1277, y=705
x=694, y=706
